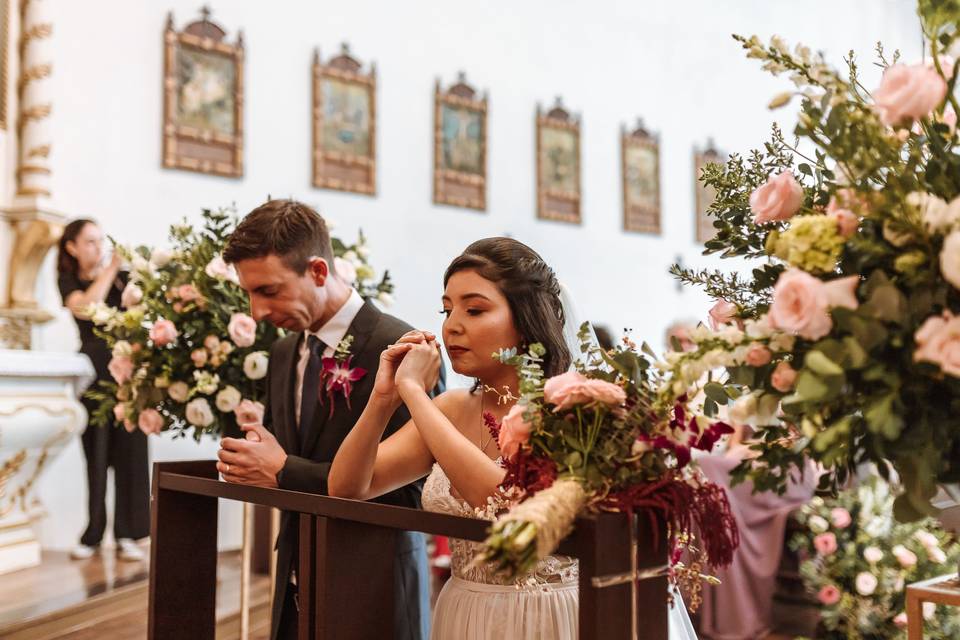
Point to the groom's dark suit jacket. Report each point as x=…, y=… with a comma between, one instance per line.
x=309, y=456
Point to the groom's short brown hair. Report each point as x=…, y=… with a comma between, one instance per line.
x=287, y=229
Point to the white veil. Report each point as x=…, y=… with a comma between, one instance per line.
x=571, y=325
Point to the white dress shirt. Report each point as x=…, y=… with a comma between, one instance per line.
x=330, y=334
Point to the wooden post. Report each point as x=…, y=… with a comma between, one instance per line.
x=354, y=580
x=183, y=558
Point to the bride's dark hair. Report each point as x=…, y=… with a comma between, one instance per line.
x=531, y=290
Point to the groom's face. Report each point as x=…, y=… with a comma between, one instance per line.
x=281, y=296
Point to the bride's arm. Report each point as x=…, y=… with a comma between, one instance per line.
x=365, y=467
x=474, y=475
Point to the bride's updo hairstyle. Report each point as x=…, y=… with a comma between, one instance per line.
x=531, y=290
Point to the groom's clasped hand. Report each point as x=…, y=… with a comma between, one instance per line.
x=413, y=360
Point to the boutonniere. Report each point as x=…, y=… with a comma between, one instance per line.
x=337, y=375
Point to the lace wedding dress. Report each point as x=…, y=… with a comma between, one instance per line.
x=476, y=604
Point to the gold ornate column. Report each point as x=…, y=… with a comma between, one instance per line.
x=35, y=224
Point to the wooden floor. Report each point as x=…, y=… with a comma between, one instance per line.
x=105, y=598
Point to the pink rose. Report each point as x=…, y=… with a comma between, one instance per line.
x=572, y=388
x=801, y=302
x=901, y=620
x=938, y=341
x=345, y=270
x=121, y=368
x=908, y=93
x=150, y=421
x=829, y=595
x=514, y=432
x=188, y=293
x=178, y=307
x=721, y=313
x=847, y=221
x=129, y=426
x=758, y=355
x=211, y=343
x=119, y=411
x=840, y=517
x=242, y=329
x=199, y=357
x=777, y=199
x=163, y=332
x=249, y=412
x=825, y=543
x=783, y=377
x=220, y=270
x=907, y=559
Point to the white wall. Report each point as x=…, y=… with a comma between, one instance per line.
x=672, y=63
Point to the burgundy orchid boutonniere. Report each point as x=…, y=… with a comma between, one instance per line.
x=337, y=377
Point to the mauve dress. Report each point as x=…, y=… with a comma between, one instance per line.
x=740, y=608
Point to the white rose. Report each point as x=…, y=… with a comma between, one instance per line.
x=950, y=259
x=255, y=365
x=933, y=210
x=866, y=583
x=817, y=524
x=161, y=257
x=873, y=555
x=131, y=296
x=228, y=399
x=207, y=382
x=926, y=538
x=744, y=409
x=199, y=413
x=346, y=270
x=179, y=391
x=220, y=270
x=936, y=554
x=140, y=265
x=122, y=349
x=385, y=298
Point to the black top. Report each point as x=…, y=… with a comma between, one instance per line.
x=90, y=344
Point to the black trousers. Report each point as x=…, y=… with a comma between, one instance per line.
x=290, y=616
x=113, y=446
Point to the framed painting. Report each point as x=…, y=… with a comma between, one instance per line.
x=703, y=194
x=640, y=170
x=460, y=146
x=344, y=124
x=558, y=165
x=203, y=99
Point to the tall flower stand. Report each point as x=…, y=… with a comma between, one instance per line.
x=941, y=590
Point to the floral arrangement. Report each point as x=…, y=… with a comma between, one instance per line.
x=185, y=353
x=857, y=560
x=844, y=344
x=589, y=440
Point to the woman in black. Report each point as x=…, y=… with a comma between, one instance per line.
x=83, y=281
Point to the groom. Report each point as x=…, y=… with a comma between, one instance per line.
x=284, y=260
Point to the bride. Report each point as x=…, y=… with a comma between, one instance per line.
x=498, y=294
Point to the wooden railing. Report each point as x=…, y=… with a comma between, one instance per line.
x=345, y=579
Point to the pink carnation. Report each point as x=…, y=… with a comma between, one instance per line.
x=242, y=329
x=573, y=388
x=249, y=412
x=840, y=517
x=163, y=332
x=721, y=313
x=777, y=199
x=825, y=543
x=908, y=93
x=150, y=421
x=121, y=368
x=829, y=595
x=514, y=432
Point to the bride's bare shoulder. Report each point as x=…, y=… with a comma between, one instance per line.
x=454, y=403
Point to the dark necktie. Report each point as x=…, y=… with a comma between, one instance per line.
x=311, y=385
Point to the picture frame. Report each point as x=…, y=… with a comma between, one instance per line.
x=344, y=124
x=558, y=165
x=460, y=146
x=203, y=99
x=640, y=172
x=704, y=195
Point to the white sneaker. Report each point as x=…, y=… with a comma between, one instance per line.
x=83, y=552
x=129, y=551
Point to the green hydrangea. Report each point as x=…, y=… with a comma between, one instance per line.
x=812, y=243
